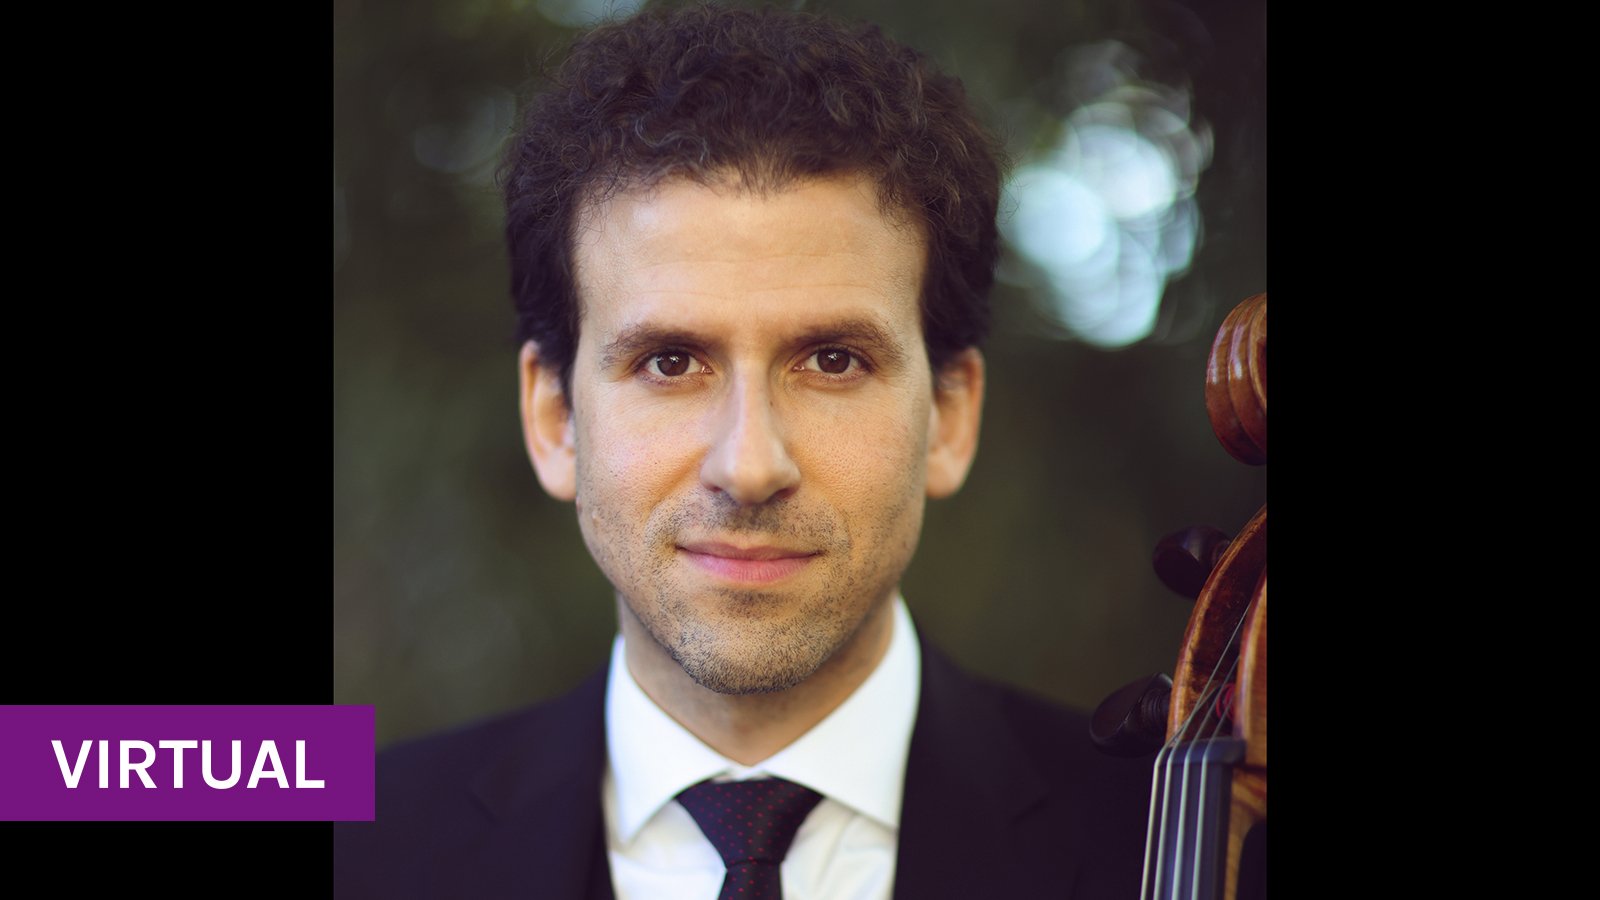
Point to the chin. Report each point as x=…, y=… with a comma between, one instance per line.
x=756, y=661
x=742, y=682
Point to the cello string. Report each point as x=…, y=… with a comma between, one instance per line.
x=1205, y=783
x=1211, y=724
x=1151, y=836
x=1173, y=750
x=1180, y=840
x=1211, y=679
x=1206, y=701
x=1163, y=883
x=1162, y=782
x=1165, y=760
x=1162, y=879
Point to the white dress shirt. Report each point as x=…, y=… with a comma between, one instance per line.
x=855, y=758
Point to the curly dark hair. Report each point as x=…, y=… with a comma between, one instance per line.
x=761, y=98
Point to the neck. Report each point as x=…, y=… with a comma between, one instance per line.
x=748, y=728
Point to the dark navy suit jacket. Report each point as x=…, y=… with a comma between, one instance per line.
x=1004, y=797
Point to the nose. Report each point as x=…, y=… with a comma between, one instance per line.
x=749, y=457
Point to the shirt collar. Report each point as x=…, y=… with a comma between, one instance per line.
x=856, y=756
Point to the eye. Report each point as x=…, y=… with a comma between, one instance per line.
x=832, y=361
x=670, y=364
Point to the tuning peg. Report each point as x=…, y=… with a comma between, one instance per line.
x=1133, y=720
x=1184, y=559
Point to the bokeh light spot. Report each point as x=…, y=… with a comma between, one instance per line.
x=1105, y=215
x=466, y=141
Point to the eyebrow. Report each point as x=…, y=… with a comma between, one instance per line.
x=860, y=333
x=636, y=339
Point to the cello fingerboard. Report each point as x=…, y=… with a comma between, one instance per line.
x=1188, y=858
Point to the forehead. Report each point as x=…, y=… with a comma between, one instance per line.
x=686, y=250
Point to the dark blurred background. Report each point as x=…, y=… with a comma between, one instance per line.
x=1136, y=218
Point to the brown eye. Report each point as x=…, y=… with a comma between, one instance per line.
x=833, y=360
x=671, y=364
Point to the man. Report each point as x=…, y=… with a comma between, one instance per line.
x=750, y=255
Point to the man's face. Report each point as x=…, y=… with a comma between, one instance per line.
x=751, y=416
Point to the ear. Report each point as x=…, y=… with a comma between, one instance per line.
x=953, y=422
x=546, y=424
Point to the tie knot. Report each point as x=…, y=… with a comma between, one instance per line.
x=750, y=820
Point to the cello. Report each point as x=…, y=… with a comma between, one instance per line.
x=1208, y=798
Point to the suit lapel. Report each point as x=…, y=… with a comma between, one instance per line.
x=543, y=795
x=969, y=785
x=969, y=789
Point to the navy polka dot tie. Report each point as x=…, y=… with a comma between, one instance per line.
x=752, y=824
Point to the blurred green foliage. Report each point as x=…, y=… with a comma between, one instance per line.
x=461, y=590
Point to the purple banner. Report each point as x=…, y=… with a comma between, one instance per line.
x=186, y=763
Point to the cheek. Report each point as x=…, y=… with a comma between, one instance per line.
x=870, y=460
x=627, y=464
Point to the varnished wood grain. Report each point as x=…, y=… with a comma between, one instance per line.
x=1222, y=603
x=1236, y=382
x=1229, y=622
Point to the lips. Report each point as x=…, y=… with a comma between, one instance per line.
x=757, y=564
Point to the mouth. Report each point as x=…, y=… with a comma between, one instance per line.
x=757, y=564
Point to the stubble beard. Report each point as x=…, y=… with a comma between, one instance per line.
x=742, y=642
x=749, y=656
